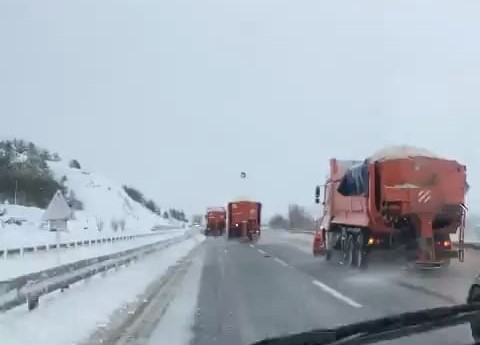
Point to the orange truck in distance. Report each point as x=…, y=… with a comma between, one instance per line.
x=244, y=219
x=216, y=218
x=401, y=198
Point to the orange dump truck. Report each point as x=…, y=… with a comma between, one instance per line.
x=400, y=198
x=216, y=219
x=244, y=219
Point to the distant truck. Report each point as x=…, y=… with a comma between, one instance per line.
x=244, y=219
x=215, y=220
x=197, y=219
x=400, y=198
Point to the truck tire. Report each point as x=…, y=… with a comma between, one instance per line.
x=350, y=251
x=328, y=255
x=474, y=297
x=361, y=252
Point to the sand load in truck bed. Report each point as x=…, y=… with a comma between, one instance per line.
x=402, y=151
x=356, y=178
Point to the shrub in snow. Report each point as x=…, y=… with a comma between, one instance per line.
x=138, y=196
x=152, y=206
x=114, y=225
x=135, y=194
x=56, y=157
x=178, y=215
x=165, y=215
x=74, y=164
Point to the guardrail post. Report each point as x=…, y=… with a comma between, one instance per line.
x=32, y=301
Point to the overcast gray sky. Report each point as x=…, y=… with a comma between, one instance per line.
x=177, y=97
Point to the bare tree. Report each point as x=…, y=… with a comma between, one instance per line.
x=278, y=222
x=298, y=218
x=121, y=224
x=114, y=225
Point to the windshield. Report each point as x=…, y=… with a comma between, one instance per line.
x=223, y=172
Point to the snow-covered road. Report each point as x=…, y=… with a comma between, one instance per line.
x=227, y=292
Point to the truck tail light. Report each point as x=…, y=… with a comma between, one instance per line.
x=446, y=244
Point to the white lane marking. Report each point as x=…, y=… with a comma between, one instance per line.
x=251, y=246
x=336, y=294
x=280, y=261
x=261, y=251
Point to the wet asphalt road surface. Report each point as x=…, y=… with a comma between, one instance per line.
x=274, y=287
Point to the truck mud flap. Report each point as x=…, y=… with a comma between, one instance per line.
x=430, y=265
x=448, y=254
x=320, y=252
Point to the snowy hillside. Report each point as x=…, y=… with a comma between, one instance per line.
x=30, y=176
x=104, y=202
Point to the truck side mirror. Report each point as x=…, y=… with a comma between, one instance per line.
x=317, y=194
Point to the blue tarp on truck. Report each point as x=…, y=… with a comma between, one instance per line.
x=355, y=180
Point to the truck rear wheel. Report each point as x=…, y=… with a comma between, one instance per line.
x=350, y=251
x=328, y=255
x=361, y=252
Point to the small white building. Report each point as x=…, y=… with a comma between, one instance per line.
x=57, y=213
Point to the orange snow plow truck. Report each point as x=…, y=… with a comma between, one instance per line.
x=401, y=198
x=244, y=219
x=216, y=221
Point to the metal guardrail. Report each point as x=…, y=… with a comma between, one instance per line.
x=28, y=288
x=301, y=231
x=470, y=245
x=6, y=252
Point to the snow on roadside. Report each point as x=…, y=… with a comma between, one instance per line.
x=31, y=232
x=34, y=262
x=176, y=325
x=68, y=317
